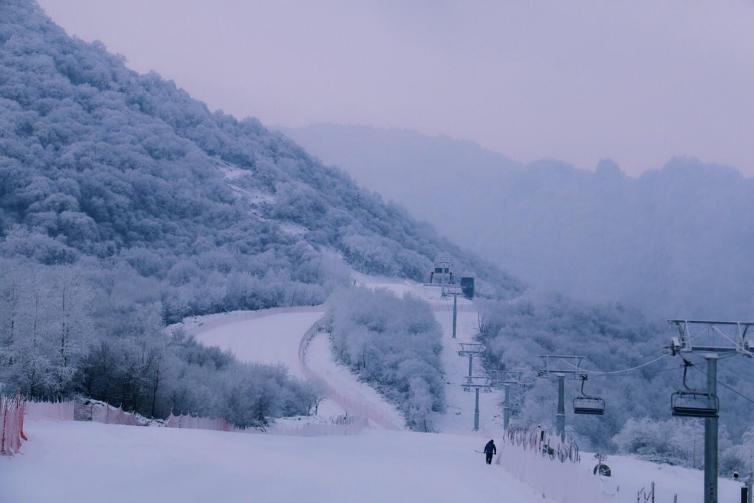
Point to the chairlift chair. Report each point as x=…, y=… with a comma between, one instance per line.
x=588, y=405
x=693, y=403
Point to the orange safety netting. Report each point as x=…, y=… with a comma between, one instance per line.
x=199, y=423
x=12, y=411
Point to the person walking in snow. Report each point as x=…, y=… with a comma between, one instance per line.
x=489, y=451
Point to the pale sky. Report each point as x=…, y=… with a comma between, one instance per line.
x=578, y=80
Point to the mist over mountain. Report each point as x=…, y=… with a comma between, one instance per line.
x=675, y=241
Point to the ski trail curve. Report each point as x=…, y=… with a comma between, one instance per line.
x=340, y=385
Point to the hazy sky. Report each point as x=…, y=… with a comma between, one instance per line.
x=578, y=80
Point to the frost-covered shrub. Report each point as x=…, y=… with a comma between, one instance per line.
x=673, y=441
x=393, y=344
x=68, y=330
x=739, y=457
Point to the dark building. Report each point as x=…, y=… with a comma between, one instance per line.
x=467, y=287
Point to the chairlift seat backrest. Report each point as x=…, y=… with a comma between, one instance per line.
x=589, y=406
x=694, y=404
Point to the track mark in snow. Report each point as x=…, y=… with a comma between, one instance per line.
x=342, y=386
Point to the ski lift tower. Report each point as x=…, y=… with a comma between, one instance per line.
x=455, y=291
x=506, y=379
x=712, y=340
x=561, y=366
x=474, y=350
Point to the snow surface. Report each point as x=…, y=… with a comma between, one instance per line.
x=353, y=396
x=89, y=462
x=92, y=462
x=270, y=336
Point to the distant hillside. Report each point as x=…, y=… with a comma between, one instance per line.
x=125, y=205
x=676, y=241
x=98, y=161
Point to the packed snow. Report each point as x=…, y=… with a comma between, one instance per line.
x=89, y=462
x=354, y=397
x=270, y=336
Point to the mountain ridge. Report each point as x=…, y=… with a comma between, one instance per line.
x=653, y=241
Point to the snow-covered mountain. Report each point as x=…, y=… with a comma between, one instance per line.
x=126, y=205
x=98, y=161
x=674, y=241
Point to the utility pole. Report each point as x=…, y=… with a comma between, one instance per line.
x=717, y=339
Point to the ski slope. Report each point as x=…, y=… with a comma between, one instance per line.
x=274, y=336
x=350, y=395
x=90, y=462
x=269, y=336
x=459, y=416
x=93, y=462
x=278, y=336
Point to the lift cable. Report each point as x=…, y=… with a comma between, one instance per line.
x=621, y=371
x=725, y=385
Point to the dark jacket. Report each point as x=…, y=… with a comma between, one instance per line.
x=490, y=448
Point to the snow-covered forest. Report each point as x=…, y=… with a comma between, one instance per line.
x=68, y=330
x=393, y=344
x=125, y=205
x=99, y=161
